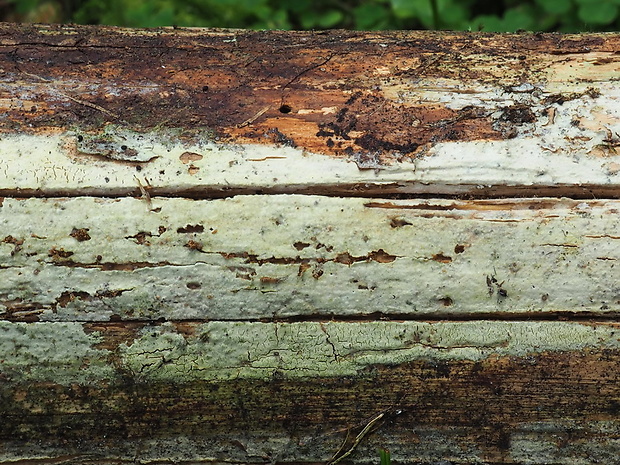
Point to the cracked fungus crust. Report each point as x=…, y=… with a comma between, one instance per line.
x=64, y=353
x=224, y=350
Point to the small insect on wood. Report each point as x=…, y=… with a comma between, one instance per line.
x=493, y=284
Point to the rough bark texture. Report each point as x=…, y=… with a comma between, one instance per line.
x=251, y=247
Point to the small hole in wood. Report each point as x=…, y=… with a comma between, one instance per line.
x=285, y=109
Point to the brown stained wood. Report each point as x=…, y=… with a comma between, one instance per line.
x=321, y=91
x=489, y=401
x=486, y=405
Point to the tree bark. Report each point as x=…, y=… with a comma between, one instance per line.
x=260, y=247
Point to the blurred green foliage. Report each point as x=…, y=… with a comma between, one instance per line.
x=485, y=15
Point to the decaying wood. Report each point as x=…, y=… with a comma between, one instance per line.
x=276, y=247
x=290, y=257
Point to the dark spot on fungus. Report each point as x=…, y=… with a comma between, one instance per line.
x=459, y=248
x=279, y=137
x=345, y=258
x=317, y=273
x=353, y=98
x=197, y=228
x=378, y=145
x=80, y=234
x=193, y=245
x=441, y=258
x=140, y=238
x=193, y=285
x=58, y=254
x=69, y=296
x=16, y=242
x=518, y=114
x=381, y=256
x=188, y=157
x=341, y=114
x=303, y=266
x=446, y=301
x=301, y=245
x=399, y=222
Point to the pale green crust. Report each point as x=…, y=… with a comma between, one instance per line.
x=67, y=353
x=59, y=353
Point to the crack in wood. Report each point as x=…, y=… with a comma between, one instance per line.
x=400, y=191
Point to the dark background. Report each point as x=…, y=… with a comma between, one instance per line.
x=473, y=15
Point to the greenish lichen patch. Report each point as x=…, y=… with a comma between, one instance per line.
x=55, y=352
x=66, y=353
x=231, y=350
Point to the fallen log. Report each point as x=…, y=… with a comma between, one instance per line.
x=297, y=247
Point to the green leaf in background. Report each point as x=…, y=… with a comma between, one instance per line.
x=24, y=6
x=497, y=16
x=452, y=14
x=486, y=23
x=330, y=19
x=370, y=16
x=321, y=19
x=556, y=7
x=408, y=8
x=422, y=10
x=601, y=12
x=272, y=19
x=520, y=17
x=153, y=14
x=517, y=18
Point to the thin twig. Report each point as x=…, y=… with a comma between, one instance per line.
x=336, y=458
x=145, y=195
x=249, y=121
x=324, y=62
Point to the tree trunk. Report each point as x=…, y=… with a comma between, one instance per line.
x=297, y=247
